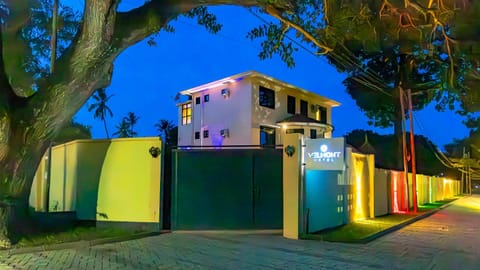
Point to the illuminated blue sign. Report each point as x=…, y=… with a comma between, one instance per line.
x=325, y=154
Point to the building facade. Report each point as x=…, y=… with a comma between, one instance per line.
x=250, y=109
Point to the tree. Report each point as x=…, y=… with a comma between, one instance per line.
x=73, y=131
x=126, y=127
x=428, y=160
x=100, y=107
x=442, y=29
x=380, y=99
x=165, y=129
x=35, y=105
x=131, y=119
x=123, y=129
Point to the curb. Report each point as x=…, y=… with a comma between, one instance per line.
x=393, y=228
x=79, y=244
x=400, y=225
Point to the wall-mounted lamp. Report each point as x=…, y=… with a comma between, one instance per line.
x=224, y=133
x=289, y=150
x=154, y=151
x=225, y=92
x=314, y=108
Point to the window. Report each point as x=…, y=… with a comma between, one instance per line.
x=205, y=133
x=303, y=107
x=323, y=114
x=186, y=113
x=313, y=133
x=197, y=100
x=197, y=135
x=267, y=136
x=294, y=130
x=206, y=98
x=266, y=97
x=291, y=104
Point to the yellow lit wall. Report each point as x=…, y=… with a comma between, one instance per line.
x=118, y=178
x=361, y=173
x=62, y=196
x=38, y=198
x=431, y=188
x=291, y=184
x=129, y=187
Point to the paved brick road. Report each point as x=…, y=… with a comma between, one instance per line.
x=446, y=240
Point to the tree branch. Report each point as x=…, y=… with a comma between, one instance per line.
x=272, y=11
x=85, y=66
x=6, y=91
x=13, y=43
x=137, y=24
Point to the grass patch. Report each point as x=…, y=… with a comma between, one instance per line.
x=435, y=205
x=362, y=229
x=79, y=233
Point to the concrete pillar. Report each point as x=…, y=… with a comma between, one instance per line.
x=292, y=185
x=371, y=184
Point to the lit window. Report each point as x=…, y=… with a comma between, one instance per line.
x=294, y=130
x=322, y=114
x=266, y=97
x=186, y=113
x=206, y=98
x=205, y=134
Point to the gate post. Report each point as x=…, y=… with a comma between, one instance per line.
x=292, y=176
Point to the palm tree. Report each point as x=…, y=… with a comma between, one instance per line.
x=131, y=119
x=101, y=110
x=164, y=127
x=123, y=129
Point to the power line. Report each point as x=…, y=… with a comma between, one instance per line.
x=371, y=79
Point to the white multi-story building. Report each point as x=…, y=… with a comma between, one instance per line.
x=251, y=108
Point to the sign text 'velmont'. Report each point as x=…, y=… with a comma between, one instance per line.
x=325, y=154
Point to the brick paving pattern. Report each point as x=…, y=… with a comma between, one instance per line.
x=445, y=240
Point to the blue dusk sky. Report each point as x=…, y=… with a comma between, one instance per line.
x=146, y=79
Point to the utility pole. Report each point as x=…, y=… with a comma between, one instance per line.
x=404, y=144
x=469, y=177
x=412, y=151
x=463, y=172
x=53, y=43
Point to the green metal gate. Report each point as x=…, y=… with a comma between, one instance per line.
x=227, y=189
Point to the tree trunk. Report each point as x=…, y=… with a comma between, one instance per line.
x=4, y=218
x=106, y=129
x=28, y=124
x=14, y=222
x=17, y=170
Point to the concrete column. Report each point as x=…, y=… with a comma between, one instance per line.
x=371, y=183
x=292, y=186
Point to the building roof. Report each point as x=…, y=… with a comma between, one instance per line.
x=366, y=147
x=253, y=75
x=302, y=120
